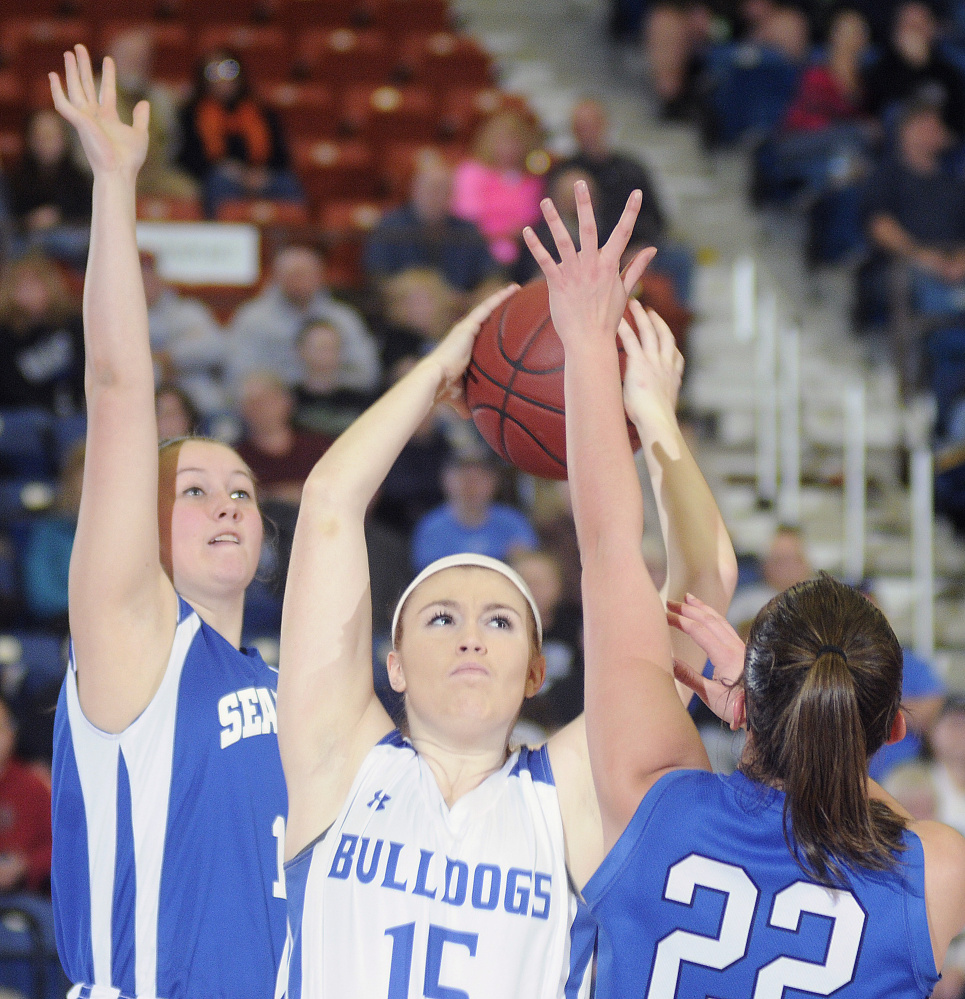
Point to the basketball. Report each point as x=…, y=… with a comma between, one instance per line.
x=514, y=384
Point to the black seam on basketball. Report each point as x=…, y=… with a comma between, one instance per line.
x=508, y=417
x=516, y=366
x=479, y=373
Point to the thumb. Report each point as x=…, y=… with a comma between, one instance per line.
x=142, y=114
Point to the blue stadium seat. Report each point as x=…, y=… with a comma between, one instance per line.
x=26, y=444
x=28, y=954
x=750, y=90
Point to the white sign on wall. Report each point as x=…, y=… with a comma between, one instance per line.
x=225, y=253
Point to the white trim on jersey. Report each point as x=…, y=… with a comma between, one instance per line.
x=147, y=745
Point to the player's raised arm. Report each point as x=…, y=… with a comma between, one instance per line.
x=328, y=714
x=122, y=606
x=636, y=725
x=700, y=556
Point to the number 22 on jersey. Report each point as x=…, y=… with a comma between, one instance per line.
x=731, y=943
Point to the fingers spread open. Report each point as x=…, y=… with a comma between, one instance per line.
x=86, y=73
x=540, y=254
x=634, y=270
x=584, y=213
x=620, y=236
x=564, y=242
x=108, y=94
x=75, y=90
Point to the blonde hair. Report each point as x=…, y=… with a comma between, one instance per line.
x=447, y=300
x=507, y=121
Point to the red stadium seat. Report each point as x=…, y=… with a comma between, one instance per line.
x=235, y=12
x=300, y=15
x=463, y=109
x=306, y=110
x=262, y=211
x=381, y=114
x=334, y=169
x=400, y=16
x=33, y=47
x=11, y=147
x=13, y=109
x=345, y=224
x=442, y=60
x=163, y=208
x=342, y=56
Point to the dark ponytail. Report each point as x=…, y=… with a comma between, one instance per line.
x=823, y=686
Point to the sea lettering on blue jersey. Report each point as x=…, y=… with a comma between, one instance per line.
x=247, y=712
x=526, y=893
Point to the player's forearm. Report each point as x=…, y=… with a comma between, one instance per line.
x=700, y=556
x=116, y=341
x=607, y=504
x=352, y=469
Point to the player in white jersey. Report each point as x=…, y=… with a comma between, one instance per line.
x=169, y=799
x=797, y=874
x=439, y=863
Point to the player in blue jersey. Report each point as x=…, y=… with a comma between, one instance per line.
x=168, y=794
x=797, y=875
x=439, y=862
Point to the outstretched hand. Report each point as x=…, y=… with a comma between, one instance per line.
x=654, y=370
x=453, y=352
x=723, y=647
x=110, y=145
x=587, y=292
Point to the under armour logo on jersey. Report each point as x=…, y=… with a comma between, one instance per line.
x=379, y=799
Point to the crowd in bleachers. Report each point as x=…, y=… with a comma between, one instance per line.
x=390, y=178
x=851, y=116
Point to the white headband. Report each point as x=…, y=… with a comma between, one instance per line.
x=470, y=559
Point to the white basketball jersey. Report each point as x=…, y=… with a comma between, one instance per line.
x=404, y=897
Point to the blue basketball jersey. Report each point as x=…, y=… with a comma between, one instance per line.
x=404, y=897
x=700, y=897
x=167, y=873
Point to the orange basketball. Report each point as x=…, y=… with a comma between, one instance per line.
x=514, y=384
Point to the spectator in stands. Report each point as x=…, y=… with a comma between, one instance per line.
x=775, y=24
x=785, y=563
x=264, y=329
x=470, y=520
x=322, y=403
x=551, y=512
x=616, y=175
x=49, y=194
x=947, y=738
x=41, y=338
x=25, y=837
x=133, y=54
x=424, y=233
x=49, y=542
x=677, y=34
x=827, y=134
x=560, y=189
x=279, y=454
x=188, y=345
x=418, y=307
x=495, y=188
x=176, y=413
x=913, y=67
x=233, y=144
x=560, y=699
x=915, y=211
